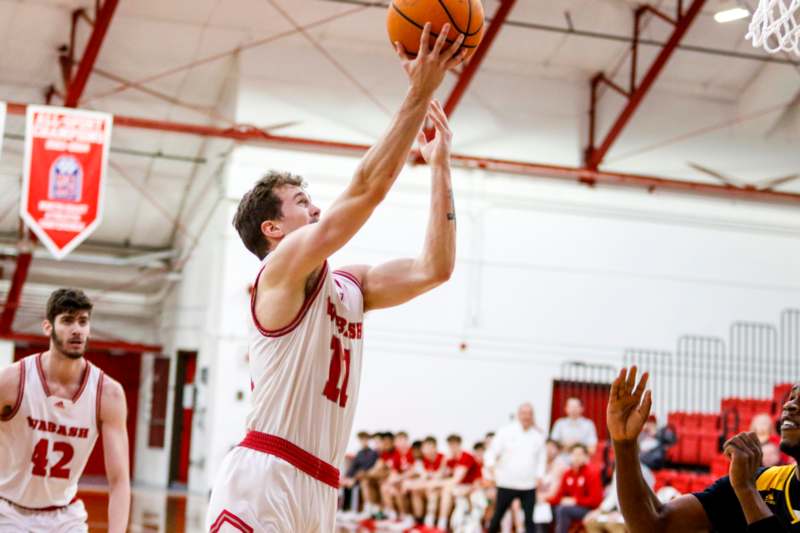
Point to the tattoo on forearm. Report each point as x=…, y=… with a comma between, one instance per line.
x=452, y=214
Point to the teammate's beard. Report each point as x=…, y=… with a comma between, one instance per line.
x=62, y=347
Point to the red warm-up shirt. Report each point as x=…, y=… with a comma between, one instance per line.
x=466, y=460
x=584, y=485
x=399, y=461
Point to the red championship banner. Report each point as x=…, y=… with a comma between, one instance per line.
x=66, y=154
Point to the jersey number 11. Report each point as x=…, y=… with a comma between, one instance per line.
x=332, y=390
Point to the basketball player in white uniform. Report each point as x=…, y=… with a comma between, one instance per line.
x=53, y=406
x=305, y=353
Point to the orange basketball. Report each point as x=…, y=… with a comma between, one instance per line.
x=407, y=18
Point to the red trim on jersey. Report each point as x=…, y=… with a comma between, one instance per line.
x=84, y=381
x=294, y=455
x=41, y=509
x=300, y=314
x=84, y=378
x=41, y=374
x=98, y=401
x=228, y=517
x=20, y=392
x=348, y=275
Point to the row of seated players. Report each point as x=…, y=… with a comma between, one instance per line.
x=402, y=484
x=405, y=484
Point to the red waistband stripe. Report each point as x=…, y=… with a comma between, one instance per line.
x=294, y=455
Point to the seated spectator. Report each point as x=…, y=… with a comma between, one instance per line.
x=471, y=502
x=464, y=471
x=549, y=485
x=575, y=428
x=654, y=442
x=364, y=460
x=770, y=455
x=763, y=426
x=431, y=467
x=580, y=490
x=607, y=518
x=401, y=468
x=373, y=478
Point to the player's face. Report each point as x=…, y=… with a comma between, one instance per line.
x=790, y=424
x=70, y=333
x=401, y=442
x=578, y=458
x=297, y=210
x=429, y=449
x=574, y=408
x=525, y=415
x=455, y=448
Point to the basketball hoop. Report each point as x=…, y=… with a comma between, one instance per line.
x=775, y=26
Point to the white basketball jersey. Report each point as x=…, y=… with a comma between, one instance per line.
x=306, y=376
x=46, y=441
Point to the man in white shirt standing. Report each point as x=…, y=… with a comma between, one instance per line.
x=575, y=428
x=517, y=460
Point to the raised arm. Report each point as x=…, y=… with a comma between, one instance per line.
x=113, y=417
x=304, y=250
x=400, y=280
x=628, y=409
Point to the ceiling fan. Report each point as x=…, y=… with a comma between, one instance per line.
x=764, y=185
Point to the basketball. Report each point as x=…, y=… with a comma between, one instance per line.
x=407, y=18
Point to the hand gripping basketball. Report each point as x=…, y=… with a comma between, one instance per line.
x=627, y=410
x=426, y=71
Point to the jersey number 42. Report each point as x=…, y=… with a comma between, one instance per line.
x=40, y=462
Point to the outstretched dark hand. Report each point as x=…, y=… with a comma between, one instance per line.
x=628, y=405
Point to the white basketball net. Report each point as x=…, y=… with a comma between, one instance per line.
x=775, y=26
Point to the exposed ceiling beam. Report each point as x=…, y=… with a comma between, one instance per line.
x=15, y=292
x=475, y=62
x=760, y=56
x=580, y=174
x=101, y=24
x=596, y=155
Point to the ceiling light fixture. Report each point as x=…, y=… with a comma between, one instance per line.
x=730, y=13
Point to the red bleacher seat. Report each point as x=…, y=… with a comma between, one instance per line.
x=708, y=449
x=720, y=466
x=779, y=395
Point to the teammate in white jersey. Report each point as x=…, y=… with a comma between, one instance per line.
x=53, y=406
x=305, y=353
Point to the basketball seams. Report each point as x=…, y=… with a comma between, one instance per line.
x=420, y=27
x=453, y=20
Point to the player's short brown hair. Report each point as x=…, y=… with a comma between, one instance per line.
x=67, y=301
x=454, y=438
x=259, y=204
